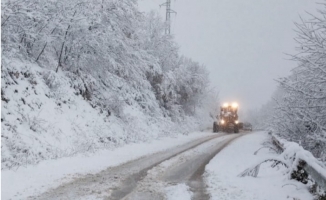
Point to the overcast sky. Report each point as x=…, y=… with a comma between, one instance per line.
x=241, y=42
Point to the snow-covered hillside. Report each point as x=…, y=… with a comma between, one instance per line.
x=77, y=77
x=44, y=117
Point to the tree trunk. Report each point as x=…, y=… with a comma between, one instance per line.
x=41, y=52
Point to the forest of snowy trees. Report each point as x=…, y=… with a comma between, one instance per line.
x=109, y=40
x=111, y=55
x=297, y=110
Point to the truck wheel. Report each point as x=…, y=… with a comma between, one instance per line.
x=215, y=128
x=236, y=129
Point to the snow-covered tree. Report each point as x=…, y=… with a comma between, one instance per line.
x=298, y=109
x=111, y=41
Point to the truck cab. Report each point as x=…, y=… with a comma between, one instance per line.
x=228, y=119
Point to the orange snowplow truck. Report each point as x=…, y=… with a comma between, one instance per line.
x=227, y=121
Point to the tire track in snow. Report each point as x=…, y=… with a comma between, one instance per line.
x=131, y=182
x=117, y=182
x=196, y=182
x=184, y=168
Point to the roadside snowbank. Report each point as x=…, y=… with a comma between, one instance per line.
x=224, y=183
x=33, y=180
x=178, y=192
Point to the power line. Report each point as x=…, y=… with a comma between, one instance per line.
x=167, y=4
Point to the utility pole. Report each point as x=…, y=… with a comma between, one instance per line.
x=167, y=4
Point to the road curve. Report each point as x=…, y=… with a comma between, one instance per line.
x=145, y=177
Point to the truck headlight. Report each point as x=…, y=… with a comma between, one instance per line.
x=235, y=105
x=222, y=121
x=236, y=122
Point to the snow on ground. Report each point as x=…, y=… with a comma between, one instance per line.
x=178, y=192
x=33, y=180
x=222, y=174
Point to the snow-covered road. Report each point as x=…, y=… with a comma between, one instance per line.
x=198, y=166
x=148, y=176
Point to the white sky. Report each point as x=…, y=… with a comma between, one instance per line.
x=241, y=42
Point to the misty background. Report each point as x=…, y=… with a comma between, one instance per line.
x=243, y=44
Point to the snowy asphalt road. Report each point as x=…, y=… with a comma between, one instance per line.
x=149, y=176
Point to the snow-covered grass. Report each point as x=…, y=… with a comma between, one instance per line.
x=224, y=182
x=33, y=180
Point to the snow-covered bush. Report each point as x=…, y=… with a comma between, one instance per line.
x=50, y=78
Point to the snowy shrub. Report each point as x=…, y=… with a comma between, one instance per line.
x=115, y=105
x=51, y=80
